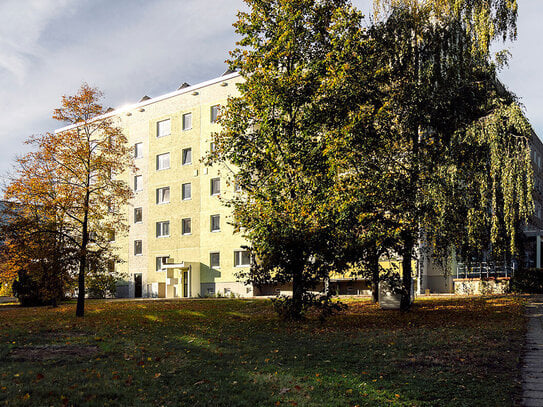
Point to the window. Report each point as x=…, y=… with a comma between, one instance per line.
x=215, y=186
x=138, y=215
x=163, y=128
x=138, y=248
x=163, y=195
x=214, y=260
x=163, y=229
x=214, y=113
x=186, y=191
x=212, y=147
x=241, y=258
x=237, y=185
x=160, y=261
x=138, y=150
x=138, y=183
x=110, y=235
x=186, y=226
x=187, y=121
x=215, y=223
x=186, y=156
x=163, y=161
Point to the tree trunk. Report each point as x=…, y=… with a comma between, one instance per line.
x=374, y=267
x=80, y=310
x=297, y=295
x=405, y=302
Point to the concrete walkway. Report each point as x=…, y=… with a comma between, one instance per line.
x=532, y=368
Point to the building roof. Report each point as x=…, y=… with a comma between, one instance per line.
x=149, y=101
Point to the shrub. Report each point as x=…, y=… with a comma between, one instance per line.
x=527, y=281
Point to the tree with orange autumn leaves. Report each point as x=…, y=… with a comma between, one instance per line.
x=69, y=182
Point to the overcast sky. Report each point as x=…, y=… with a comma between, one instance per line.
x=132, y=48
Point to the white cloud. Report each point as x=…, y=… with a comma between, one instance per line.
x=21, y=25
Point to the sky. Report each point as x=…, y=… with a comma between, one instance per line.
x=132, y=48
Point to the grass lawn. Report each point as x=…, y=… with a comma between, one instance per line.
x=445, y=352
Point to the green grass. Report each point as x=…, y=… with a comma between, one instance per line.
x=445, y=352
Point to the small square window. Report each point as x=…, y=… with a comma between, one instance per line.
x=186, y=158
x=138, y=215
x=163, y=128
x=214, y=113
x=214, y=260
x=186, y=226
x=138, y=248
x=163, y=195
x=138, y=183
x=160, y=261
x=186, y=192
x=215, y=186
x=138, y=150
x=242, y=258
x=187, y=121
x=163, y=229
x=215, y=223
x=163, y=161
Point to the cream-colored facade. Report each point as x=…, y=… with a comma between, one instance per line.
x=177, y=223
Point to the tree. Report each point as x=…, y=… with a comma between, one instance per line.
x=38, y=264
x=70, y=180
x=441, y=116
x=274, y=134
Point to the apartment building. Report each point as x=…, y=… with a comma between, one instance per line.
x=180, y=242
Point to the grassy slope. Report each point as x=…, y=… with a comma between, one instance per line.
x=446, y=352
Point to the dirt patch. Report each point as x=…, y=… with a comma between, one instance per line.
x=51, y=352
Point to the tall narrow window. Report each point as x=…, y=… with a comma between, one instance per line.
x=138, y=183
x=138, y=150
x=138, y=248
x=187, y=121
x=215, y=221
x=186, y=191
x=237, y=185
x=186, y=226
x=163, y=229
x=186, y=156
x=212, y=147
x=163, y=195
x=163, y=128
x=163, y=161
x=138, y=215
x=215, y=260
x=215, y=186
x=214, y=113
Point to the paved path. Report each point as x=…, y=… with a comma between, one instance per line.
x=532, y=368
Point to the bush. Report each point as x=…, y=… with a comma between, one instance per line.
x=35, y=289
x=323, y=304
x=527, y=281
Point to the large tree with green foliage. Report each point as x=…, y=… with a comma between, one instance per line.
x=458, y=140
x=274, y=133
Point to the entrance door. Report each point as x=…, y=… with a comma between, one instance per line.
x=137, y=285
x=185, y=284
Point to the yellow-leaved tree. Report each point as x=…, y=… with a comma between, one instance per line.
x=69, y=184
